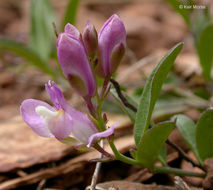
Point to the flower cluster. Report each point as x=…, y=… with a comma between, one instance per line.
x=83, y=58
x=80, y=55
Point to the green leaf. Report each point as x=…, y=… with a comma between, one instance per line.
x=151, y=92
x=133, y=153
x=204, y=135
x=177, y=6
x=187, y=129
x=42, y=35
x=152, y=143
x=26, y=53
x=205, y=50
x=162, y=156
x=70, y=13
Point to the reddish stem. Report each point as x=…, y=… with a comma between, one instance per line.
x=106, y=81
x=101, y=150
x=90, y=106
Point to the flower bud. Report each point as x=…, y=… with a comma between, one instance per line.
x=70, y=29
x=75, y=64
x=111, y=44
x=116, y=56
x=90, y=39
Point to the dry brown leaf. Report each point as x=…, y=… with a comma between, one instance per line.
x=125, y=185
x=20, y=147
x=75, y=164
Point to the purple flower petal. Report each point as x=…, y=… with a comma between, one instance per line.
x=29, y=115
x=48, y=122
x=58, y=99
x=71, y=120
x=83, y=128
x=93, y=138
x=56, y=95
x=70, y=29
x=75, y=64
x=111, y=34
x=72, y=141
x=61, y=125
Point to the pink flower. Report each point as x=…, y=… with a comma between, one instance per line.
x=74, y=62
x=111, y=43
x=61, y=121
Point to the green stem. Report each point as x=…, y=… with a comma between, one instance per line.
x=99, y=114
x=158, y=169
x=104, y=88
x=177, y=171
x=121, y=157
x=102, y=127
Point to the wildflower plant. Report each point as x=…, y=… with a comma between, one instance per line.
x=84, y=59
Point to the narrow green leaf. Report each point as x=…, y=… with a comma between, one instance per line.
x=187, y=129
x=204, y=135
x=205, y=50
x=152, y=143
x=71, y=11
x=21, y=50
x=151, y=92
x=42, y=35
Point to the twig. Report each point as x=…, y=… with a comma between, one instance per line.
x=21, y=173
x=184, y=155
x=121, y=96
x=180, y=184
x=41, y=184
x=41, y=175
x=133, y=108
x=55, y=30
x=97, y=169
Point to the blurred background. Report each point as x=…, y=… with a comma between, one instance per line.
x=28, y=60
